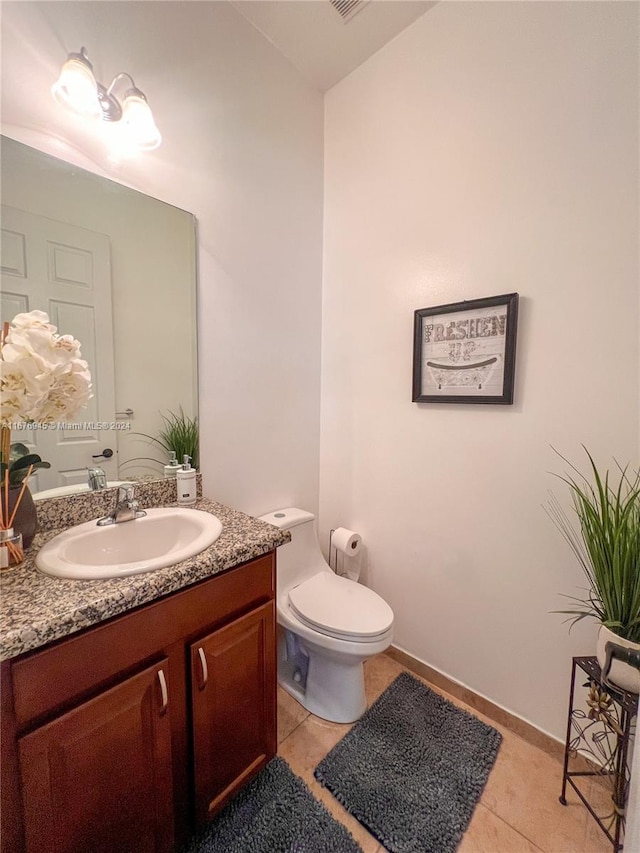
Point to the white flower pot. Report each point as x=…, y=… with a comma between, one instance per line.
x=621, y=674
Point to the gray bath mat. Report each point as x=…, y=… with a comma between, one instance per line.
x=275, y=813
x=412, y=768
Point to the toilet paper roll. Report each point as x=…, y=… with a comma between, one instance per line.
x=346, y=541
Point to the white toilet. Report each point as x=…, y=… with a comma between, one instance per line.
x=329, y=625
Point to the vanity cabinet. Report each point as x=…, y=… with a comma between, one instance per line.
x=232, y=695
x=102, y=771
x=122, y=737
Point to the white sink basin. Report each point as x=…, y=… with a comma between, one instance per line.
x=164, y=537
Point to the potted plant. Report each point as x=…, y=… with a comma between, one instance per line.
x=606, y=543
x=179, y=433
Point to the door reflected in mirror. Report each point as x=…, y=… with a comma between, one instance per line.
x=115, y=269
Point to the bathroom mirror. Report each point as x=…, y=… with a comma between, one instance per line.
x=117, y=270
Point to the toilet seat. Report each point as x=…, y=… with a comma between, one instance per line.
x=341, y=608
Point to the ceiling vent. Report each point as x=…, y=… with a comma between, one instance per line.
x=348, y=8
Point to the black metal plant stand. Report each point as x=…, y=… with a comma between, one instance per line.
x=600, y=728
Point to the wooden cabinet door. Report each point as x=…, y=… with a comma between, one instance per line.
x=233, y=687
x=99, y=777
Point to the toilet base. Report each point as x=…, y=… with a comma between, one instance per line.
x=334, y=688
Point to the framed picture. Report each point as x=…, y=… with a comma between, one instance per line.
x=465, y=352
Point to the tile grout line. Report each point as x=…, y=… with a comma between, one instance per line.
x=294, y=729
x=512, y=827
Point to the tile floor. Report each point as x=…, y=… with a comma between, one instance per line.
x=519, y=811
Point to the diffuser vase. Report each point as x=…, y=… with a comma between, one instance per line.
x=621, y=674
x=26, y=517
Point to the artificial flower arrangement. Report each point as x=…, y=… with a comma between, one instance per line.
x=43, y=380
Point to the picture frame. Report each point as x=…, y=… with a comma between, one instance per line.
x=465, y=352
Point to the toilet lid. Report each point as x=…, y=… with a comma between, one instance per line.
x=340, y=607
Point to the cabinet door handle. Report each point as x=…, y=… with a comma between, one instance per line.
x=163, y=690
x=203, y=664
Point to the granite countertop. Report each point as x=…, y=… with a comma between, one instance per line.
x=36, y=609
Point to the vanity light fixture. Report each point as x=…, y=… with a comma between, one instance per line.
x=78, y=90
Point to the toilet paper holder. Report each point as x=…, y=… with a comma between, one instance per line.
x=333, y=564
x=348, y=543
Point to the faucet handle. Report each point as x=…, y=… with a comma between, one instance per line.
x=125, y=493
x=126, y=508
x=97, y=479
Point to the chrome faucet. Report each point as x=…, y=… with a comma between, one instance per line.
x=97, y=479
x=126, y=508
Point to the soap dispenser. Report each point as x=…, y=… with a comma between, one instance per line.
x=186, y=477
x=173, y=466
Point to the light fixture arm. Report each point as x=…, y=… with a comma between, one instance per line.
x=111, y=106
x=118, y=77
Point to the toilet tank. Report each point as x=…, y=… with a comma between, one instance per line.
x=301, y=558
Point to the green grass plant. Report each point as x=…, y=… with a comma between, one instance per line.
x=606, y=542
x=178, y=432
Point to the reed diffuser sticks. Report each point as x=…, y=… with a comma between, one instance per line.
x=11, y=550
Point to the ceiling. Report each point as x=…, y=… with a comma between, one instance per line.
x=319, y=43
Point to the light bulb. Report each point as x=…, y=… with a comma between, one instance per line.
x=76, y=87
x=138, y=120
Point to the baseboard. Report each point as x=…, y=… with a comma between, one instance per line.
x=485, y=706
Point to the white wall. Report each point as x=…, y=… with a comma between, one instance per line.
x=490, y=148
x=242, y=150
